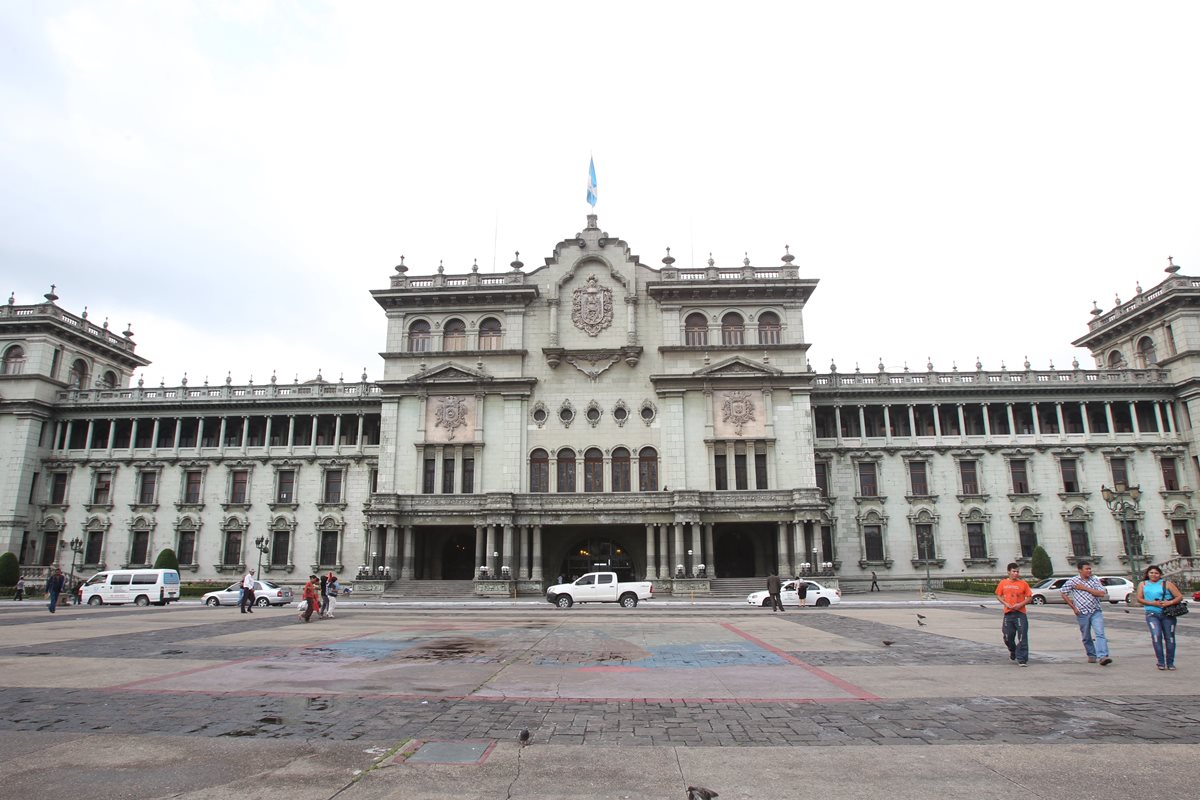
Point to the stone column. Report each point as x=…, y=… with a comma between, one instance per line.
x=837, y=422
x=1170, y=419
x=781, y=550
x=312, y=441
x=1062, y=423
x=730, y=467
x=962, y=422
x=337, y=433
x=1133, y=420
x=291, y=442
x=267, y=434
x=1037, y=423
x=406, y=569
x=1083, y=416
x=480, y=558
x=986, y=408
x=664, y=555
x=220, y=434
x=245, y=432
x=1112, y=428
x=937, y=420
x=751, y=471
x=798, y=550
x=709, y=553
x=1012, y=420
x=680, y=550
x=506, y=554
x=456, y=486
x=912, y=421
x=438, y=453
x=489, y=559
x=112, y=434
x=651, y=572
x=862, y=421
x=1158, y=420
x=537, y=554
x=887, y=422
x=393, y=550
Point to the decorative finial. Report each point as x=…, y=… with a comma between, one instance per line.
x=441, y=268
x=1171, y=268
x=668, y=259
x=184, y=381
x=162, y=382
x=206, y=380
x=400, y=267
x=954, y=366
x=517, y=263
x=475, y=265
x=711, y=263
x=1138, y=287
x=364, y=375
x=882, y=368
x=141, y=381
x=273, y=377
x=832, y=366
x=106, y=323
x=787, y=257
x=341, y=377
x=1027, y=364
x=50, y=295
x=84, y=314
x=319, y=378
x=228, y=378
x=978, y=364
x=1003, y=368
x=746, y=260
x=12, y=298
x=856, y=369
x=1052, y=363
x=1075, y=363
x=929, y=363
x=128, y=332
x=1117, y=299
x=1095, y=312
x=906, y=365
x=251, y=380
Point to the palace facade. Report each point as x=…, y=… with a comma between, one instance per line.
x=599, y=412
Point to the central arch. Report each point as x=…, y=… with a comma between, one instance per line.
x=458, y=557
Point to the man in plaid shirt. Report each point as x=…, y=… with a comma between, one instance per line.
x=1083, y=594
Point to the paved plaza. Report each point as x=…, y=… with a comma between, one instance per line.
x=419, y=701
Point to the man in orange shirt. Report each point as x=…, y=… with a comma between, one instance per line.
x=1014, y=595
x=310, y=598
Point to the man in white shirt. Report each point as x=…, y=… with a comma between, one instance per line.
x=247, y=604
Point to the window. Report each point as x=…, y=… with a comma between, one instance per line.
x=280, y=543
x=733, y=329
x=231, y=555
x=760, y=470
x=970, y=479
x=976, y=543
x=1079, y=540
x=1145, y=352
x=1070, y=478
x=448, y=474
x=468, y=471
x=539, y=471
x=868, y=485
x=454, y=335
x=926, y=546
x=1183, y=542
x=620, y=470
x=333, y=485
x=58, y=488
x=593, y=470
x=428, y=474
x=329, y=549
x=102, y=491
x=14, y=361
x=648, y=470
x=191, y=485
x=720, y=471
x=1017, y=468
x=373, y=479
x=1120, y=473
x=695, y=330
x=78, y=377
x=566, y=470
x=285, y=486
x=147, y=486
x=918, y=479
x=873, y=540
x=239, y=484
x=768, y=328
x=185, y=549
x=740, y=478
x=94, y=553
x=418, y=337
x=140, y=547
x=1170, y=475
x=109, y=380
x=491, y=335
x=1027, y=534
x=823, y=478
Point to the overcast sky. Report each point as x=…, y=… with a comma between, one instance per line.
x=232, y=178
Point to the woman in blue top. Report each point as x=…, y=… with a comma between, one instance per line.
x=1155, y=594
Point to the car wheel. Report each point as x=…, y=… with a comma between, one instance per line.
x=563, y=601
x=262, y=602
x=1038, y=600
x=629, y=601
x=212, y=601
x=1129, y=599
x=822, y=602
x=95, y=601
x=142, y=601
x=766, y=603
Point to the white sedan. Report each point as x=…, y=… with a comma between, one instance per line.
x=1120, y=590
x=818, y=595
x=265, y=594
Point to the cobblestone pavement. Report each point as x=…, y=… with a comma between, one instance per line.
x=838, y=677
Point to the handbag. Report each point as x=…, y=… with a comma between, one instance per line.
x=1177, y=610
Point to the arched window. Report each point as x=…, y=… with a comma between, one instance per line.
x=454, y=335
x=418, y=337
x=281, y=543
x=648, y=469
x=490, y=334
x=695, y=330
x=1146, y=355
x=566, y=470
x=768, y=328
x=14, y=361
x=109, y=381
x=1116, y=360
x=539, y=471
x=733, y=329
x=593, y=470
x=620, y=470
x=79, y=375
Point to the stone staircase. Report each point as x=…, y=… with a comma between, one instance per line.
x=736, y=587
x=430, y=589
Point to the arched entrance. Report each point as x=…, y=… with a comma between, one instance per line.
x=735, y=555
x=595, y=554
x=458, y=557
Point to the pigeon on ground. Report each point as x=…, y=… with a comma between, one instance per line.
x=981, y=605
x=920, y=621
x=920, y=616
x=524, y=737
x=700, y=793
x=886, y=643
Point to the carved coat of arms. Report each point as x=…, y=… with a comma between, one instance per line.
x=451, y=414
x=592, y=307
x=738, y=410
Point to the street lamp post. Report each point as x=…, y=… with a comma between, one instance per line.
x=76, y=546
x=1124, y=503
x=691, y=572
x=816, y=565
x=925, y=541
x=263, y=545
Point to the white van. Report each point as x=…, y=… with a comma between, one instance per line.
x=139, y=586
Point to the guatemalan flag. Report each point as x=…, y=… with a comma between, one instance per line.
x=591, y=194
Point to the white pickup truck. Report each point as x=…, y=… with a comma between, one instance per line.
x=600, y=587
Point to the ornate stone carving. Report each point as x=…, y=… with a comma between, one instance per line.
x=451, y=414
x=593, y=364
x=738, y=410
x=592, y=307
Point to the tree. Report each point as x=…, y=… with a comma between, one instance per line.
x=1041, y=566
x=167, y=560
x=10, y=570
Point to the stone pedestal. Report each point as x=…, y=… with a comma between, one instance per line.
x=366, y=588
x=689, y=586
x=495, y=587
x=527, y=588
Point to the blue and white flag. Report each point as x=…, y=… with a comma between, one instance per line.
x=591, y=195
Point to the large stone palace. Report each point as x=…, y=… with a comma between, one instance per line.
x=599, y=412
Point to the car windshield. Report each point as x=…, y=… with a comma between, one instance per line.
x=234, y=587
x=269, y=585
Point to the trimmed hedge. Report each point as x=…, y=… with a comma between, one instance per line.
x=971, y=585
x=10, y=570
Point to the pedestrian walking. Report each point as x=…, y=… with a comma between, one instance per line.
x=1157, y=594
x=874, y=582
x=1083, y=594
x=334, y=589
x=247, y=602
x=802, y=592
x=310, y=598
x=54, y=587
x=773, y=586
x=1015, y=594
x=19, y=594
x=324, y=595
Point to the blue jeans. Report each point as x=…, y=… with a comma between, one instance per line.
x=1016, y=635
x=1162, y=631
x=1092, y=625
x=53, y=601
